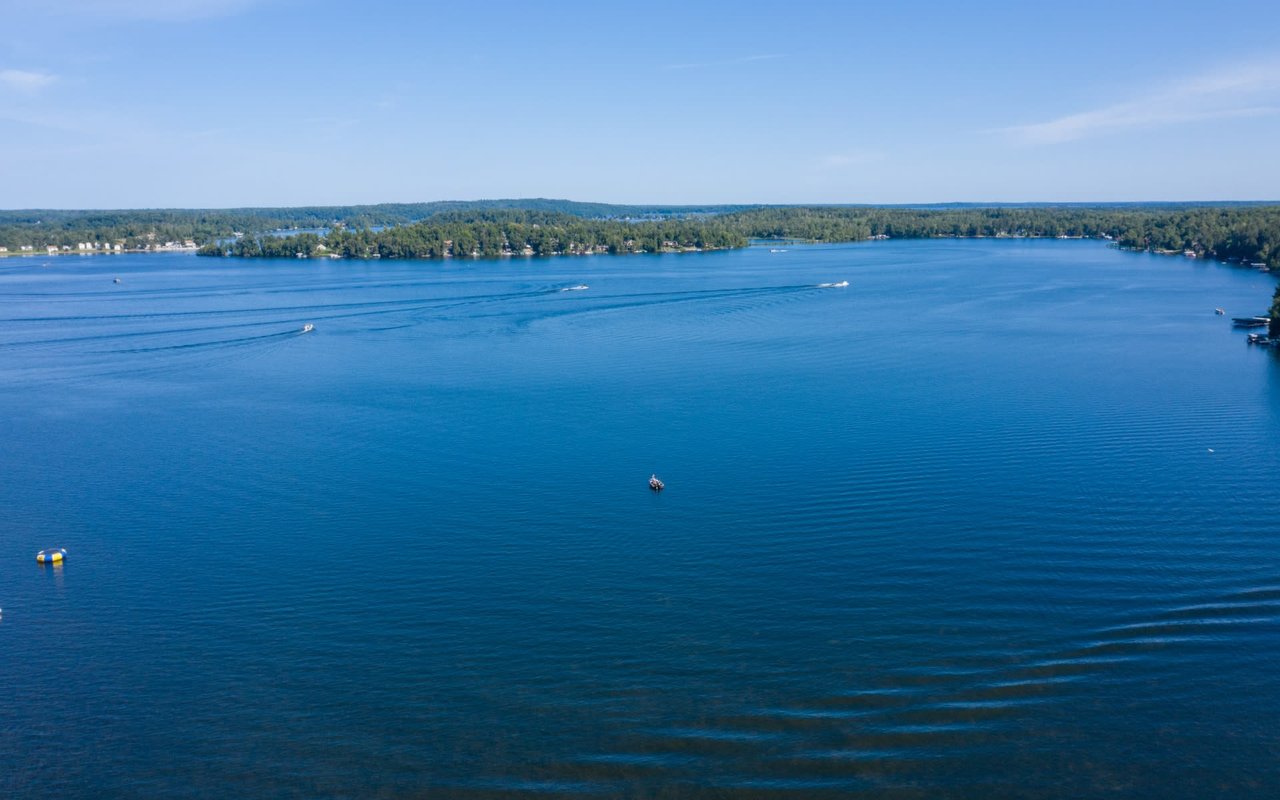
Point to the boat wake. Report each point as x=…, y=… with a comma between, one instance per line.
x=911, y=725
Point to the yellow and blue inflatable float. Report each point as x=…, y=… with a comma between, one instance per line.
x=51, y=556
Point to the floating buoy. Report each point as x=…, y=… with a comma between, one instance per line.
x=51, y=556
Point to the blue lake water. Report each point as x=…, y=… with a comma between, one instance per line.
x=999, y=519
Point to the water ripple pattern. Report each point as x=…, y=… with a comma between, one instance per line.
x=994, y=519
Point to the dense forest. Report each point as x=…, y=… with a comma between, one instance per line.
x=486, y=228
x=491, y=233
x=1237, y=232
x=1247, y=233
x=140, y=228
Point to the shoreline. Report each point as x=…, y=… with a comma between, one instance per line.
x=761, y=242
x=132, y=251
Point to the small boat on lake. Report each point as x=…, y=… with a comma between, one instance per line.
x=582, y=287
x=656, y=484
x=1219, y=311
x=308, y=328
x=840, y=285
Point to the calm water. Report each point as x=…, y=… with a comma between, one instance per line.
x=997, y=520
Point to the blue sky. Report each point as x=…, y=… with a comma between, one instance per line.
x=216, y=103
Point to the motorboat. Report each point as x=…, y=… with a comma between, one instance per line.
x=308, y=328
x=656, y=483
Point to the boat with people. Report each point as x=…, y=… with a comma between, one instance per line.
x=656, y=484
x=308, y=328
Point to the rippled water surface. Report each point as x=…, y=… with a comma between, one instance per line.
x=998, y=519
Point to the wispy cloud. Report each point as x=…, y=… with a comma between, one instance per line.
x=157, y=10
x=726, y=62
x=1250, y=90
x=25, y=81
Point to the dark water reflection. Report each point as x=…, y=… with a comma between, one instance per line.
x=996, y=520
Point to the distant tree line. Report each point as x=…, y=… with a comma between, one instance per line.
x=491, y=233
x=1235, y=232
x=1242, y=232
x=486, y=228
x=136, y=228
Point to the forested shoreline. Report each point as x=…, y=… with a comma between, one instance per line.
x=493, y=233
x=137, y=229
x=1242, y=233
x=490, y=228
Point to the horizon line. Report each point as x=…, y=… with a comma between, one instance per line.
x=931, y=204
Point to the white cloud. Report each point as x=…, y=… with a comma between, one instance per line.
x=1250, y=90
x=25, y=81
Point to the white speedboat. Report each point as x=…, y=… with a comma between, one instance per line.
x=308, y=328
